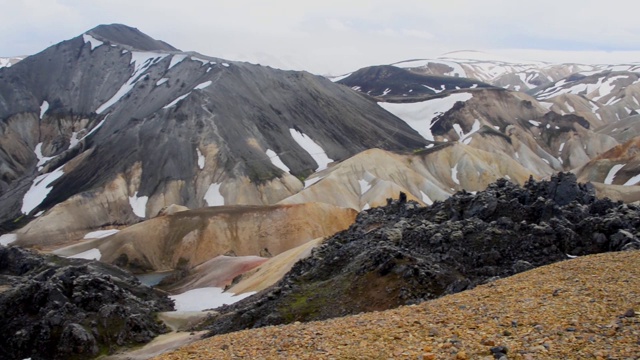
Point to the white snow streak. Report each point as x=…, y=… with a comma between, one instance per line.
x=420, y=115
x=213, y=197
x=91, y=254
x=534, y=123
x=205, y=298
x=93, y=41
x=41, y=159
x=73, y=141
x=175, y=60
x=612, y=173
x=201, y=159
x=39, y=190
x=561, y=147
x=138, y=204
x=310, y=182
x=7, y=239
x=454, y=174
x=364, y=186
x=466, y=138
x=162, y=81
x=311, y=147
x=174, y=102
x=142, y=61
x=425, y=198
x=633, y=181
x=99, y=234
x=203, y=85
x=276, y=161
x=43, y=108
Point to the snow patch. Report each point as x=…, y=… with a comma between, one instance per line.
x=91, y=254
x=534, y=123
x=386, y=91
x=225, y=64
x=425, y=198
x=162, y=81
x=203, y=85
x=561, y=147
x=435, y=90
x=420, y=115
x=39, y=190
x=317, y=153
x=7, y=239
x=213, y=197
x=138, y=204
x=612, y=173
x=201, y=159
x=205, y=298
x=338, y=78
x=175, y=60
x=466, y=138
x=43, y=108
x=41, y=159
x=366, y=207
x=203, y=61
x=142, y=61
x=633, y=181
x=364, y=186
x=276, y=161
x=310, y=182
x=454, y=174
x=99, y=234
x=73, y=141
x=93, y=41
x=174, y=102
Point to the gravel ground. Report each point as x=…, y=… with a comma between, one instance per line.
x=583, y=308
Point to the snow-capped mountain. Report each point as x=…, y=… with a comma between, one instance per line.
x=112, y=126
x=10, y=61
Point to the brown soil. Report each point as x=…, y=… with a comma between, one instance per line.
x=583, y=308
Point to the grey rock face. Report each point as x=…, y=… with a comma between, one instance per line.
x=56, y=308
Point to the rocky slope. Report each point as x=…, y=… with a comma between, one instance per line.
x=585, y=308
x=113, y=126
x=402, y=253
x=56, y=308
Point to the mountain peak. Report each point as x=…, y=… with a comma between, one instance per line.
x=129, y=36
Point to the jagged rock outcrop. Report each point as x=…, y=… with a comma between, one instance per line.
x=402, y=253
x=57, y=308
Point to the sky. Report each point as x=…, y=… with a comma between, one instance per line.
x=331, y=37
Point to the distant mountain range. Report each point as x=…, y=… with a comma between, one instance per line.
x=119, y=147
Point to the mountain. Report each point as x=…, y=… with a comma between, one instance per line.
x=10, y=61
x=112, y=126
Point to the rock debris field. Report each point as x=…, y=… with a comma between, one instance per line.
x=584, y=308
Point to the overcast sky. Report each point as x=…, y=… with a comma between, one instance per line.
x=334, y=37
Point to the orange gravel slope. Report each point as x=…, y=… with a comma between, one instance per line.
x=583, y=308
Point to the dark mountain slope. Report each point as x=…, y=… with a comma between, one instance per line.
x=394, y=83
x=115, y=104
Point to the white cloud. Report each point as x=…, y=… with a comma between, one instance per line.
x=332, y=36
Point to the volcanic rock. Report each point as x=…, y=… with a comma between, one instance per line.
x=403, y=253
x=57, y=308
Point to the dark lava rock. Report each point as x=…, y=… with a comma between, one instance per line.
x=57, y=308
x=404, y=254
